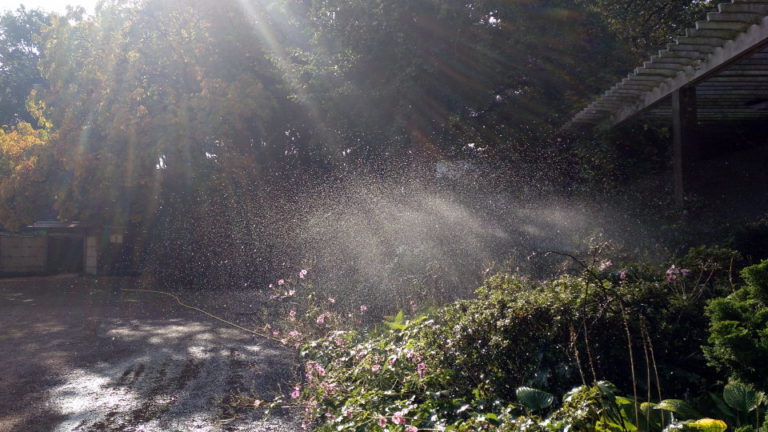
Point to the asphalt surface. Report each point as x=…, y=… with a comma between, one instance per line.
x=81, y=354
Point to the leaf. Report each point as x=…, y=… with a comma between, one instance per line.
x=722, y=406
x=741, y=397
x=607, y=388
x=679, y=407
x=651, y=419
x=534, y=399
x=396, y=322
x=707, y=425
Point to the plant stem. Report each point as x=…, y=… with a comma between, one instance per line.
x=631, y=361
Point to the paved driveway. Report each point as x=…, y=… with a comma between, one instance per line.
x=80, y=354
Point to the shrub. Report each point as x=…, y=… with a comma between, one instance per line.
x=465, y=362
x=738, y=329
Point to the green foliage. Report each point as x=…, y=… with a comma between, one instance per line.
x=479, y=362
x=741, y=397
x=20, y=50
x=738, y=329
x=534, y=399
x=157, y=102
x=679, y=407
x=152, y=101
x=449, y=73
x=25, y=168
x=649, y=25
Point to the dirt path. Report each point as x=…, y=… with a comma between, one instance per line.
x=80, y=354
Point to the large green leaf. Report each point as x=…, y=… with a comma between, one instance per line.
x=741, y=397
x=534, y=399
x=679, y=407
x=706, y=425
x=651, y=418
x=724, y=409
x=607, y=388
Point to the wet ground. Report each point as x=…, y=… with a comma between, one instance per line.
x=80, y=354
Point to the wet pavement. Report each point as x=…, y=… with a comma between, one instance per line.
x=81, y=354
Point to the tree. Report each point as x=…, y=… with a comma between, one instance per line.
x=19, y=55
x=152, y=99
x=648, y=25
x=428, y=77
x=25, y=165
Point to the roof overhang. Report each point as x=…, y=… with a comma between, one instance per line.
x=724, y=57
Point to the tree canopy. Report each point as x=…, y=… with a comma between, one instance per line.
x=19, y=55
x=157, y=101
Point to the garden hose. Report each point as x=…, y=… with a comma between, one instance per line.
x=218, y=318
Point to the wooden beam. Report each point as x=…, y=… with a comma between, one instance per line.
x=684, y=146
x=744, y=43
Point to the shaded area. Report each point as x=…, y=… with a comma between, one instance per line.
x=80, y=354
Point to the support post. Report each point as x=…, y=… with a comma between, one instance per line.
x=684, y=119
x=91, y=254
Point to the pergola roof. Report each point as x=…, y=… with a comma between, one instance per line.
x=724, y=57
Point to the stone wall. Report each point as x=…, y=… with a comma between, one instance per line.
x=23, y=253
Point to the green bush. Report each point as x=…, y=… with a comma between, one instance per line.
x=738, y=329
x=465, y=363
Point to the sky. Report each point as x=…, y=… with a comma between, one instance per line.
x=49, y=5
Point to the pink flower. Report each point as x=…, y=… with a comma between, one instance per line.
x=290, y=293
x=605, y=265
x=392, y=361
x=684, y=272
x=398, y=418
x=411, y=428
x=320, y=319
x=275, y=333
x=413, y=356
x=314, y=367
x=421, y=368
x=672, y=273
x=281, y=282
x=623, y=275
x=339, y=342
x=296, y=392
x=271, y=286
x=294, y=334
x=375, y=368
x=363, y=308
x=302, y=273
x=331, y=300
x=382, y=421
x=329, y=387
